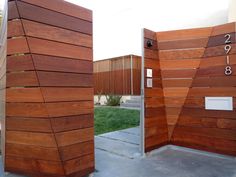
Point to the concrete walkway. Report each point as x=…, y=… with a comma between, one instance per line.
x=123, y=143
x=117, y=155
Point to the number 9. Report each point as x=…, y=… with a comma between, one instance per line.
x=227, y=48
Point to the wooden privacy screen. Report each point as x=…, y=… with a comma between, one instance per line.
x=49, y=112
x=189, y=65
x=118, y=76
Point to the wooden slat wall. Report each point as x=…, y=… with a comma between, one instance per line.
x=156, y=132
x=207, y=129
x=192, y=64
x=118, y=76
x=49, y=112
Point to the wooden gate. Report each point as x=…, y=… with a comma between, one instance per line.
x=49, y=95
x=188, y=66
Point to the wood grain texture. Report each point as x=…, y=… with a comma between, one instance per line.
x=15, y=29
x=192, y=64
x=180, y=44
x=49, y=95
x=45, y=47
x=22, y=79
x=17, y=46
x=64, y=79
x=24, y=95
x=43, y=31
x=64, y=7
x=108, y=71
x=156, y=134
x=42, y=15
x=50, y=63
x=19, y=63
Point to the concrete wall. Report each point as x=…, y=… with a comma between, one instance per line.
x=103, y=99
x=232, y=11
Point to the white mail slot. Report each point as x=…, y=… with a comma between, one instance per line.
x=219, y=103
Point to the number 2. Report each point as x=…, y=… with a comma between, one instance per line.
x=228, y=39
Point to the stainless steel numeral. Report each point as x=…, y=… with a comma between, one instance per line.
x=227, y=48
x=228, y=39
x=228, y=71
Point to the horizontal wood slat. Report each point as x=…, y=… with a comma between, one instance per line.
x=36, y=13
x=43, y=31
x=45, y=47
x=63, y=7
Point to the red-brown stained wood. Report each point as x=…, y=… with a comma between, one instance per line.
x=223, y=29
x=219, y=51
x=79, y=164
x=29, y=124
x=154, y=92
x=52, y=94
x=71, y=137
x=30, y=138
x=149, y=34
x=181, y=54
x=184, y=34
x=63, y=7
x=177, y=82
x=36, y=13
x=179, y=64
x=17, y=46
x=24, y=95
x=33, y=167
x=21, y=79
x=180, y=44
x=214, y=71
x=213, y=91
x=45, y=47
x=76, y=150
x=220, y=40
x=217, y=61
x=151, y=54
x=15, y=29
x=43, y=31
x=12, y=10
x=187, y=73
x=51, y=63
x=70, y=108
x=62, y=124
x=19, y=63
x=26, y=110
x=64, y=79
x=57, y=54
x=229, y=81
x=41, y=153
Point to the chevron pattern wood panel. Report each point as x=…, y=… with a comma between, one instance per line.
x=192, y=66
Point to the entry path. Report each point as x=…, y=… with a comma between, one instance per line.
x=123, y=143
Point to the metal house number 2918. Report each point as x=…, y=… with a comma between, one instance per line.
x=228, y=69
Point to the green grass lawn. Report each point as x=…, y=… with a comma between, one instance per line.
x=108, y=119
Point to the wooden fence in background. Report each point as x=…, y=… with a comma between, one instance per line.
x=49, y=123
x=118, y=76
x=189, y=65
